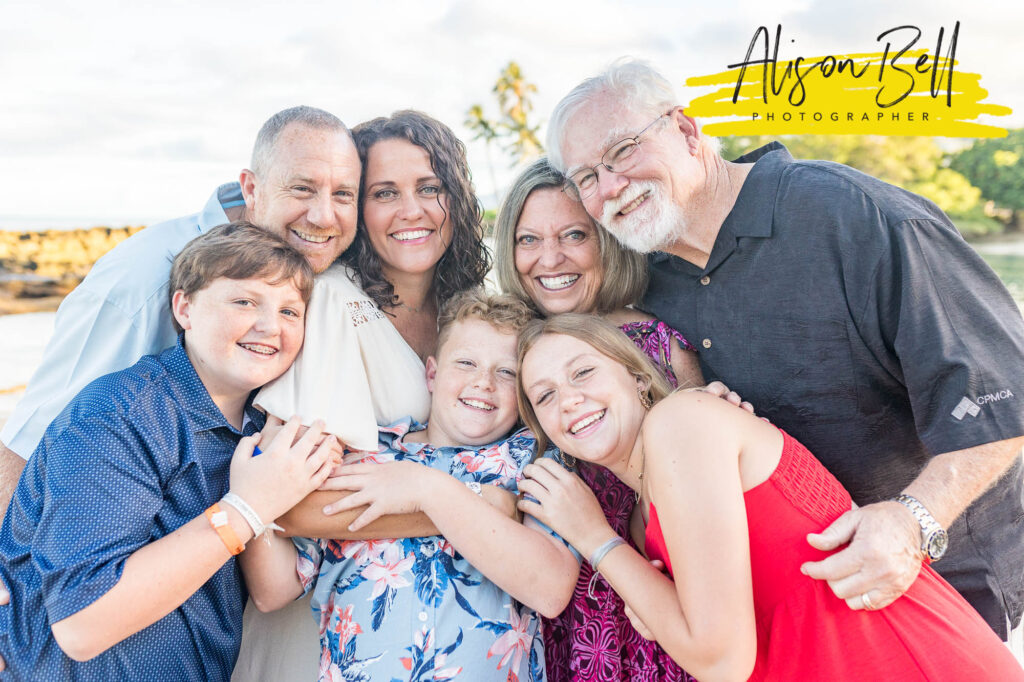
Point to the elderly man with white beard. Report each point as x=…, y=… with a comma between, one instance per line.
x=849, y=311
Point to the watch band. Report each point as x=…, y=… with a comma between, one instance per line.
x=934, y=539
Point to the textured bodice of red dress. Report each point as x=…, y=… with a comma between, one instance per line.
x=804, y=632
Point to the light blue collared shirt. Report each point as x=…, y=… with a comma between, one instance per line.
x=119, y=313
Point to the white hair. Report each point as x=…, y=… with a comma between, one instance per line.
x=631, y=83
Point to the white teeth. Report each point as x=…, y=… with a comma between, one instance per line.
x=633, y=204
x=479, y=404
x=410, y=234
x=316, y=239
x=259, y=348
x=560, y=282
x=584, y=423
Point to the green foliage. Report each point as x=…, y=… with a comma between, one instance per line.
x=490, y=216
x=996, y=166
x=897, y=160
x=953, y=193
x=917, y=164
x=513, y=126
x=975, y=223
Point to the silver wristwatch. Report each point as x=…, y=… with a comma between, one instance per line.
x=934, y=540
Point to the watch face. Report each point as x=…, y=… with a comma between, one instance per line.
x=937, y=544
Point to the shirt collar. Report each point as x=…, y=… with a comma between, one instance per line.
x=753, y=212
x=228, y=195
x=202, y=412
x=391, y=437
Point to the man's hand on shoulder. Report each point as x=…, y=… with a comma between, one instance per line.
x=881, y=561
x=720, y=390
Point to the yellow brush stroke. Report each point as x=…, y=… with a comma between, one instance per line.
x=919, y=113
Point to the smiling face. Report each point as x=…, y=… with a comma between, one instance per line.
x=308, y=192
x=585, y=402
x=240, y=333
x=473, y=382
x=645, y=207
x=557, y=254
x=405, y=209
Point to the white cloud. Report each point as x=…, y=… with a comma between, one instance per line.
x=129, y=111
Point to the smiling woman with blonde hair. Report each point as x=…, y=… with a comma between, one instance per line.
x=551, y=254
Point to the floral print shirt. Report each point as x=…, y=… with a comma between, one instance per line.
x=414, y=609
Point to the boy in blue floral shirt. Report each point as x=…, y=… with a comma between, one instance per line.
x=460, y=605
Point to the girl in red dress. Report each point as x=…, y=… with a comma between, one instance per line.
x=725, y=501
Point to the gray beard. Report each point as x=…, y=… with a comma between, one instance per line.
x=655, y=234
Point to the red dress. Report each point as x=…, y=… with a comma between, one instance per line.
x=804, y=632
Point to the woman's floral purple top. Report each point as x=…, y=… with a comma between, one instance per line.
x=592, y=640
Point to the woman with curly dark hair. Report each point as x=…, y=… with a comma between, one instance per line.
x=372, y=321
x=419, y=240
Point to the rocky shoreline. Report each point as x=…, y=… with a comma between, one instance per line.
x=38, y=269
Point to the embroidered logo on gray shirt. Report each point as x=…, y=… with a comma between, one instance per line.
x=966, y=406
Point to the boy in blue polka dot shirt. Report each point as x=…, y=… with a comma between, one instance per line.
x=118, y=547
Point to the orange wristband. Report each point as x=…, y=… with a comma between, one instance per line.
x=219, y=520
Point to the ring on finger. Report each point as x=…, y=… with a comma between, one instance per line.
x=865, y=600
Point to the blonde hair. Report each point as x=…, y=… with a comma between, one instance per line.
x=623, y=272
x=602, y=336
x=502, y=311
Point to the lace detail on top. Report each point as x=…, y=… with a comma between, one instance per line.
x=654, y=338
x=363, y=311
x=808, y=485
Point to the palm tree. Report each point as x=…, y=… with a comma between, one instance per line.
x=484, y=130
x=513, y=92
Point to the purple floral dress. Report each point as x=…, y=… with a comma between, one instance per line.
x=592, y=640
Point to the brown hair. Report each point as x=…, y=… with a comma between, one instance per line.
x=501, y=311
x=602, y=336
x=623, y=272
x=466, y=261
x=238, y=250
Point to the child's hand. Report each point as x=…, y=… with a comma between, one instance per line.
x=384, y=488
x=287, y=470
x=275, y=424
x=563, y=502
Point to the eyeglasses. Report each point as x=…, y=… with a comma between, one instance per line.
x=622, y=156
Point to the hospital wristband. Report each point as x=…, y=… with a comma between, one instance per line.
x=249, y=514
x=219, y=520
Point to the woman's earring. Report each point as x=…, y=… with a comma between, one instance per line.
x=645, y=399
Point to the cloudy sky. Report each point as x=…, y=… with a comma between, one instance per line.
x=118, y=112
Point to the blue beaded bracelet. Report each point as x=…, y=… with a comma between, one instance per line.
x=600, y=553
